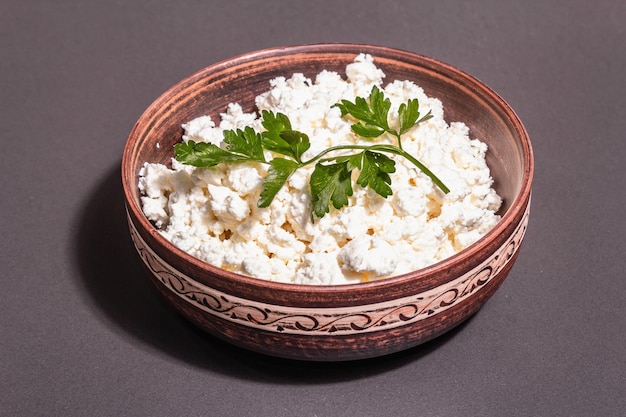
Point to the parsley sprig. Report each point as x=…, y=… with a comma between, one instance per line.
x=331, y=180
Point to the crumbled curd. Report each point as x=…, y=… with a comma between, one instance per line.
x=212, y=213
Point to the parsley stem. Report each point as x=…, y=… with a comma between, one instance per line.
x=381, y=148
x=398, y=151
x=397, y=135
x=332, y=149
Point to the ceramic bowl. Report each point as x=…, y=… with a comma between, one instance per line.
x=344, y=322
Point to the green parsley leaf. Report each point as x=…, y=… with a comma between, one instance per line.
x=375, y=169
x=281, y=138
x=367, y=130
x=202, y=154
x=278, y=173
x=330, y=182
x=380, y=106
x=408, y=114
x=372, y=116
x=275, y=124
x=245, y=142
x=298, y=143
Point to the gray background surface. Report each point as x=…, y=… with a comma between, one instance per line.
x=82, y=332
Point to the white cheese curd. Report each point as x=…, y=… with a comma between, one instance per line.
x=212, y=213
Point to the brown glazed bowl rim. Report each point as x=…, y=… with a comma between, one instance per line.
x=515, y=210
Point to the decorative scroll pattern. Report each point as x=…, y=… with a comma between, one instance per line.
x=343, y=320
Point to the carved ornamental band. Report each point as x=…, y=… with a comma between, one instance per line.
x=343, y=320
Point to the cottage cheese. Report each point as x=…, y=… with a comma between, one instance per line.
x=212, y=213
